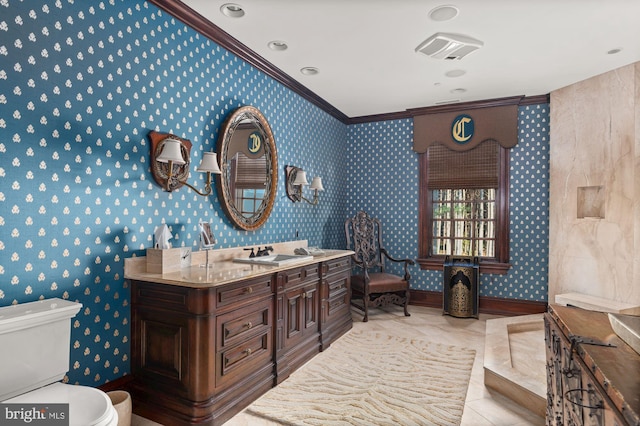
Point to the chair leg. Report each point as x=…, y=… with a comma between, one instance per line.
x=406, y=304
x=365, y=303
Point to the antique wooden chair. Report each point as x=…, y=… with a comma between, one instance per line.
x=370, y=283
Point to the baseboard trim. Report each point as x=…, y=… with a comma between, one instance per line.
x=121, y=383
x=487, y=305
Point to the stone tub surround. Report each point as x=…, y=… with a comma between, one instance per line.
x=222, y=269
x=524, y=383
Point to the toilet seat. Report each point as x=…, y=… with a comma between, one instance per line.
x=87, y=406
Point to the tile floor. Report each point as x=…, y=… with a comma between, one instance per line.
x=483, y=407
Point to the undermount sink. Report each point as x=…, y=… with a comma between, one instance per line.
x=273, y=260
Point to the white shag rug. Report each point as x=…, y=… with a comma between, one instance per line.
x=372, y=378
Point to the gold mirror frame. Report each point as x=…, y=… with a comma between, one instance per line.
x=247, y=115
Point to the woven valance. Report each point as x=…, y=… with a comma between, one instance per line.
x=498, y=123
x=476, y=168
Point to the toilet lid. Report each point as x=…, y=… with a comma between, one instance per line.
x=87, y=406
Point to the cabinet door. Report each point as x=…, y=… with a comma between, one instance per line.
x=590, y=400
x=301, y=314
x=297, y=318
x=571, y=385
x=293, y=317
x=310, y=298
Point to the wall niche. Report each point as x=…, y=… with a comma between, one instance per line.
x=591, y=202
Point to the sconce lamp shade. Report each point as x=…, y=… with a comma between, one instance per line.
x=316, y=183
x=301, y=178
x=297, y=180
x=171, y=163
x=171, y=151
x=209, y=163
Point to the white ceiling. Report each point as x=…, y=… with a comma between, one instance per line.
x=364, y=49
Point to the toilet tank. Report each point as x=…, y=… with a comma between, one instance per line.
x=35, y=340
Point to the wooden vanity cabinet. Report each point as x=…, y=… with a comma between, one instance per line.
x=588, y=381
x=335, y=291
x=297, y=318
x=201, y=354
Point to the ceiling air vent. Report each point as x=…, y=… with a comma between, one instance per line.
x=448, y=46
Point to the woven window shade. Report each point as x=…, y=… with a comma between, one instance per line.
x=477, y=168
x=251, y=172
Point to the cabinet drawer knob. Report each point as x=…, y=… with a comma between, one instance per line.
x=249, y=324
x=248, y=351
x=249, y=290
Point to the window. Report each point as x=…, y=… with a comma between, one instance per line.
x=464, y=206
x=464, y=222
x=248, y=183
x=250, y=200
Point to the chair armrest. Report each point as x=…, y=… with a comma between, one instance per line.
x=407, y=261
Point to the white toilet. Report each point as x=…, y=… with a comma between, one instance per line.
x=35, y=339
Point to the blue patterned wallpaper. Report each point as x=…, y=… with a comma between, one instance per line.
x=81, y=85
x=387, y=187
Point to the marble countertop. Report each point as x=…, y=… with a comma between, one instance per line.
x=220, y=268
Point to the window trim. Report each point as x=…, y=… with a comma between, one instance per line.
x=498, y=265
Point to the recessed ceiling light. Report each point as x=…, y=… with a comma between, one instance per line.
x=455, y=73
x=443, y=13
x=277, y=45
x=232, y=10
x=614, y=51
x=458, y=91
x=309, y=71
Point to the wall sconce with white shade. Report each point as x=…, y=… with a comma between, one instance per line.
x=170, y=160
x=296, y=179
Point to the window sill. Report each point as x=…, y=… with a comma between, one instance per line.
x=486, y=266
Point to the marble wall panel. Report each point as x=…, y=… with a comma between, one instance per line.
x=636, y=194
x=594, y=142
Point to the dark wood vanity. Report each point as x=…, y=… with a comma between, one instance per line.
x=202, y=350
x=593, y=376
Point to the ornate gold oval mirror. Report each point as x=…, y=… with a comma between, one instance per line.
x=249, y=162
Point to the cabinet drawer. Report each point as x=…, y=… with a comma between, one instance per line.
x=245, y=290
x=296, y=276
x=238, y=326
x=338, y=284
x=239, y=361
x=338, y=301
x=334, y=266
